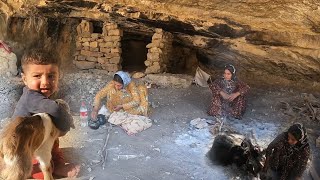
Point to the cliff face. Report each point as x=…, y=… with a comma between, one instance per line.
x=261, y=37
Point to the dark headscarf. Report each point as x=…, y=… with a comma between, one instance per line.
x=299, y=133
x=232, y=69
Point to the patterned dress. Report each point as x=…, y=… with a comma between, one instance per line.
x=222, y=107
x=133, y=98
x=288, y=161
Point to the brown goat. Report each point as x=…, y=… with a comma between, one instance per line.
x=25, y=138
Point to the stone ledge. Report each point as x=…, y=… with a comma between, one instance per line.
x=170, y=80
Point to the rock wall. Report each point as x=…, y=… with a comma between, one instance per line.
x=262, y=38
x=8, y=61
x=53, y=34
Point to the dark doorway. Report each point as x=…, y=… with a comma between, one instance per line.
x=183, y=60
x=134, y=51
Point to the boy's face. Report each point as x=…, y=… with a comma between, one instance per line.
x=41, y=78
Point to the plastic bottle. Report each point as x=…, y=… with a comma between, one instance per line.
x=83, y=114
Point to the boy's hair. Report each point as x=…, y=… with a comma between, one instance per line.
x=39, y=57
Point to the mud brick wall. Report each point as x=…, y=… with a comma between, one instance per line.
x=98, y=51
x=159, y=52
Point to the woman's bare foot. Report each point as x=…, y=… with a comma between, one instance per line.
x=66, y=170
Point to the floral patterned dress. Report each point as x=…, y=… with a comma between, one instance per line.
x=222, y=107
x=133, y=98
x=288, y=161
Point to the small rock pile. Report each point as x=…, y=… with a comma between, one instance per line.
x=305, y=108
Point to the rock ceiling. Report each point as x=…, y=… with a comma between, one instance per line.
x=277, y=37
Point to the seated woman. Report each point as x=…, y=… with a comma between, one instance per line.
x=122, y=94
x=287, y=155
x=229, y=95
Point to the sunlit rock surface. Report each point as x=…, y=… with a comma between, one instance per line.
x=263, y=38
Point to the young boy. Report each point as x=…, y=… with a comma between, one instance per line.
x=41, y=78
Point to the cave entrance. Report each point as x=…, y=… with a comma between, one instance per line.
x=134, y=51
x=183, y=60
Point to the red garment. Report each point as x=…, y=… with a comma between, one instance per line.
x=289, y=161
x=222, y=107
x=57, y=159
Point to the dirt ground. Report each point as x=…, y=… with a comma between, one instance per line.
x=171, y=149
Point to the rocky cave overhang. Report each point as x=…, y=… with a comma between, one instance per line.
x=260, y=37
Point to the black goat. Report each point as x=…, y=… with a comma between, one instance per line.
x=226, y=151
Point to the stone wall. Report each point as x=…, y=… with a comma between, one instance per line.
x=98, y=51
x=159, y=52
x=103, y=51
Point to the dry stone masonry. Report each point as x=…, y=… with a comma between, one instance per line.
x=159, y=52
x=103, y=51
x=98, y=51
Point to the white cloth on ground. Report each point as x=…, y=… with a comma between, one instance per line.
x=132, y=124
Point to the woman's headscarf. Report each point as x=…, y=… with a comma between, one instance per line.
x=232, y=69
x=299, y=133
x=125, y=78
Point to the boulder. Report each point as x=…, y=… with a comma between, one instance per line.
x=170, y=80
x=8, y=60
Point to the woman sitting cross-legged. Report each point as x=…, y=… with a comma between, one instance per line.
x=228, y=95
x=122, y=95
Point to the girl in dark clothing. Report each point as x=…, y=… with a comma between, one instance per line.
x=287, y=155
x=228, y=95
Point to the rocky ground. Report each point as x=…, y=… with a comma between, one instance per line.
x=170, y=149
